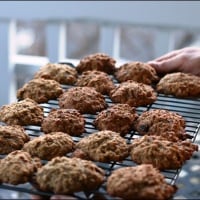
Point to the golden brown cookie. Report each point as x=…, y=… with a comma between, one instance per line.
x=64, y=175
x=62, y=73
x=139, y=182
x=103, y=146
x=18, y=167
x=40, y=90
x=49, y=146
x=65, y=120
x=119, y=118
x=180, y=85
x=84, y=99
x=133, y=93
x=136, y=71
x=162, y=122
x=96, y=79
x=12, y=138
x=97, y=61
x=25, y=112
x=161, y=153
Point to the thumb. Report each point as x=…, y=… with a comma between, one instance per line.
x=154, y=64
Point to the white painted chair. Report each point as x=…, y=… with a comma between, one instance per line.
x=162, y=15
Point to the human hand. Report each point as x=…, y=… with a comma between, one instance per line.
x=185, y=60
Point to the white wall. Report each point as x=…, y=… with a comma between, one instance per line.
x=159, y=13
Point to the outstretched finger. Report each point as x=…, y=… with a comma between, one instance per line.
x=166, y=66
x=168, y=55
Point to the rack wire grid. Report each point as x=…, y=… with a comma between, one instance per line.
x=188, y=108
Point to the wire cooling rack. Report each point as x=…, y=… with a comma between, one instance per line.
x=188, y=108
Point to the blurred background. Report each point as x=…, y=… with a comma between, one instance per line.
x=32, y=34
x=136, y=43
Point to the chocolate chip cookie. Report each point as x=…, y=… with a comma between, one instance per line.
x=162, y=122
x=84, y=99
x=40, y=90
x=25, y=112
x=18, y=167
x=64, y=175
x=49, y=146
x=133, y=93
x=180, y=85
x=161, y=153
x=65, y=120
x=96, y=79
x=118, y=117
x=103, y=146
x=97, y=61
x=139, y=182
x=62, y=73
x=136, y=71
x=12, y=138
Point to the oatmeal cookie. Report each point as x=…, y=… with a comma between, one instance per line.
x=133, y=93
x=119, y=118
x=12, y=138
x=49, y=146
x=84, y=99
x=162, y=122
x=18, y=167
x=180, y=85
x=161, y=153
x=25, y=112
x=103, y=146
x=97, y=61
x=62, y=73
x=96, y=79
x=136, y=71
x=64, y=175
x=65, y=120
x=139, y=182
x=40, y=90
